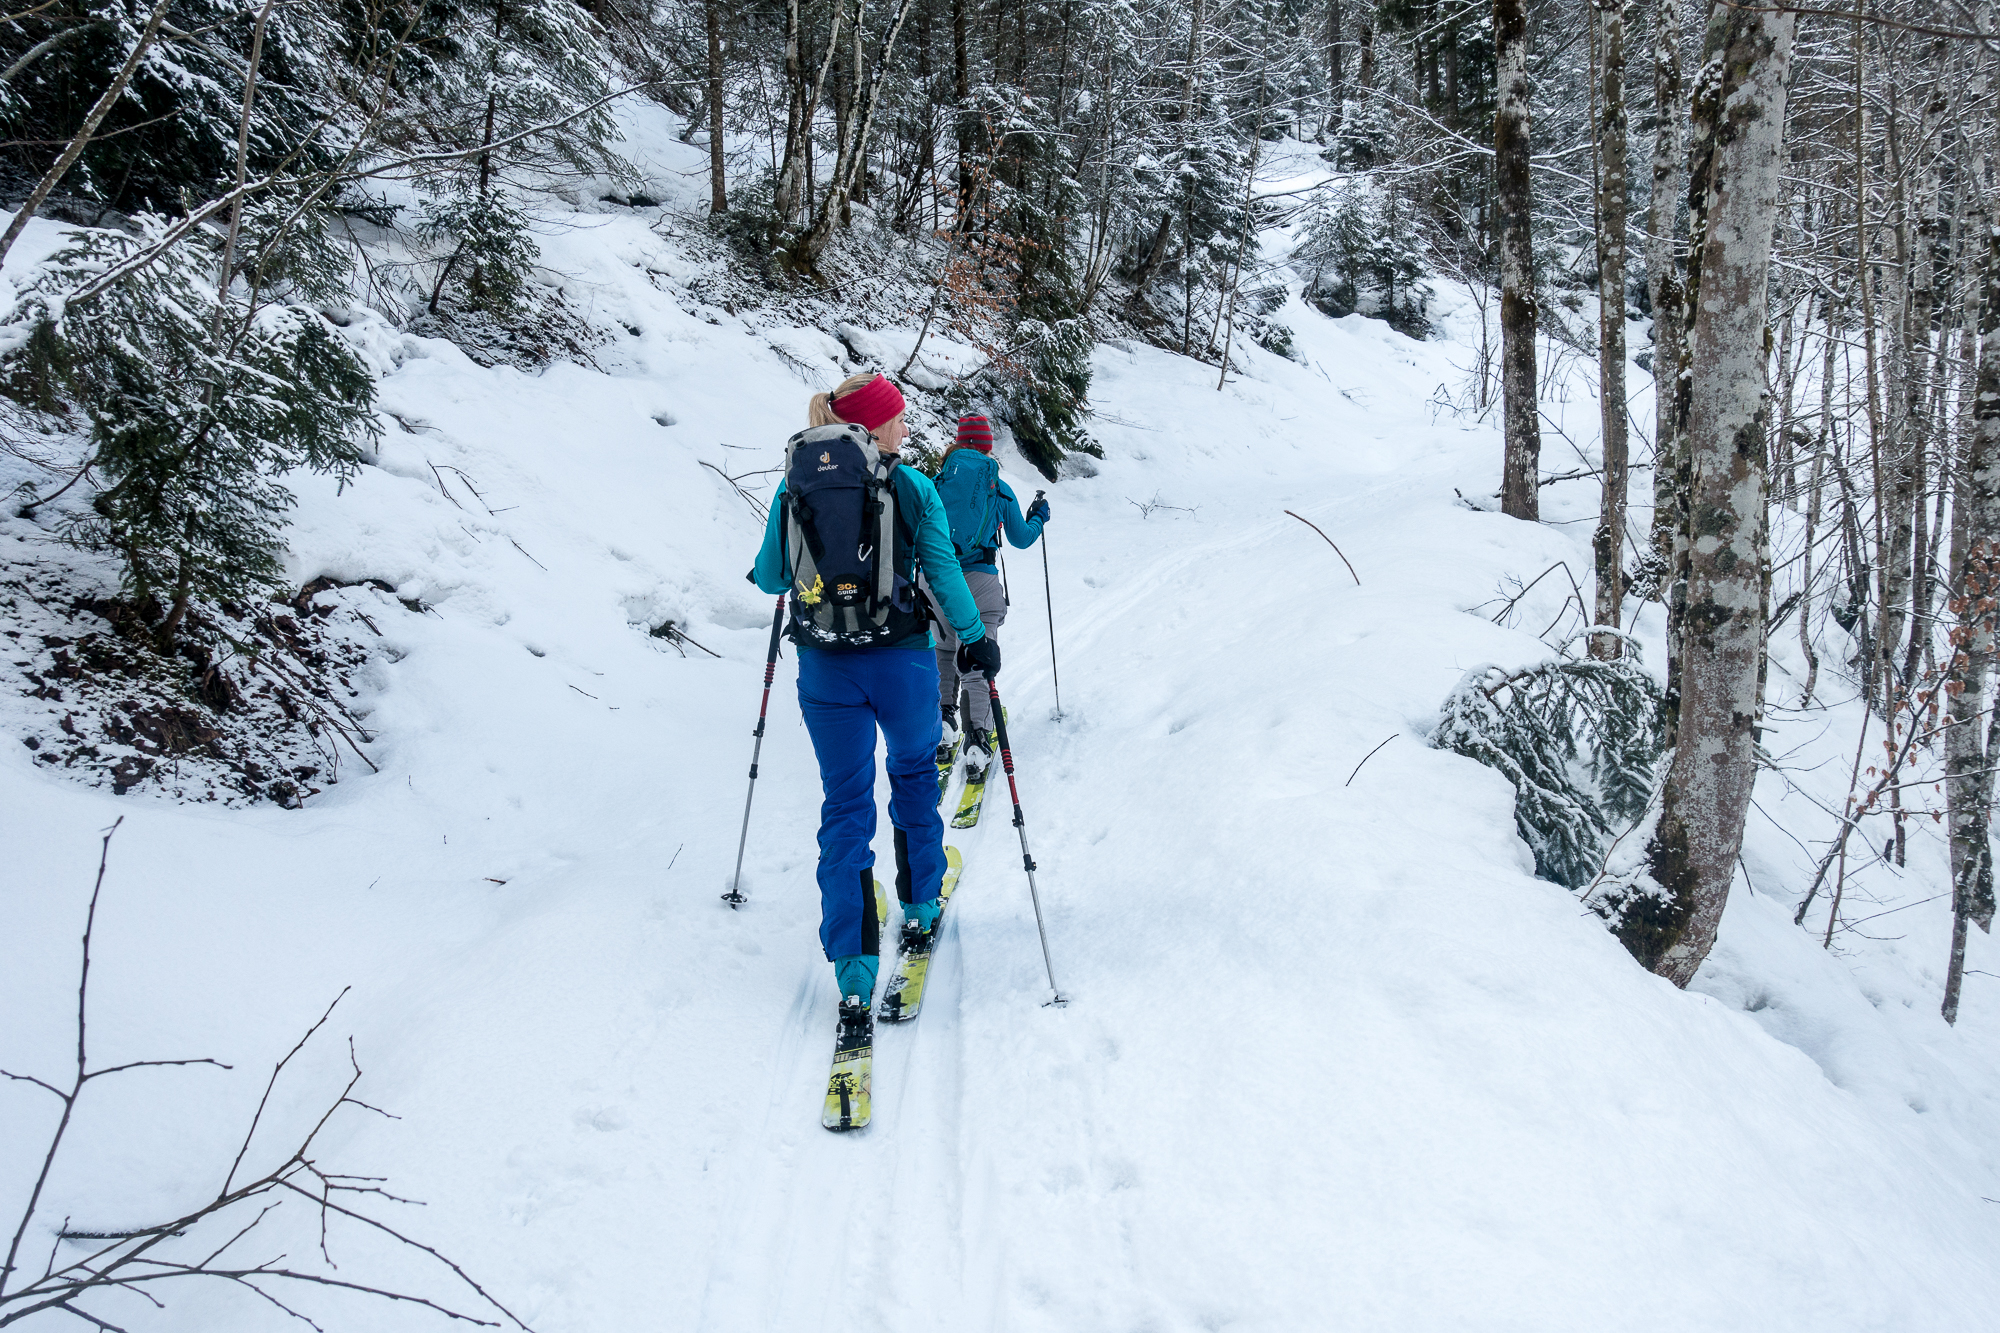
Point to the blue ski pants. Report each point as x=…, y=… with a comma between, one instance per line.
x=845, y=696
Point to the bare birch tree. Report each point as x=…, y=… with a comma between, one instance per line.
x=1975, y=576
x=1740, y=101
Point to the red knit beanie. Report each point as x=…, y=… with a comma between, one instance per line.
x=872, y=405
x=976, y=432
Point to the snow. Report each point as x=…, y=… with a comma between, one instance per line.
x=1334, y=1058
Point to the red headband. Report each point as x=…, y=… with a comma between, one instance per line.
x=872, y=405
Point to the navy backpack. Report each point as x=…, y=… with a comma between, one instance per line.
x=851, y=552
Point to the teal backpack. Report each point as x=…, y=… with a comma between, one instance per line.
x=969, y=485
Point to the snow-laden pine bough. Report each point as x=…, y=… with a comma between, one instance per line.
x=1579, y=739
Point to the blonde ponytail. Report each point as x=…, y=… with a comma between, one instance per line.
x=819, y=409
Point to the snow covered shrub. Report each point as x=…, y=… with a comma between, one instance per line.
x=1578, y=739
x=196, y=408
x=1275, y=338
x=1359, y=259
x=1046, y=404
x=1366, y=137
x=485, y=247
x=753, y=227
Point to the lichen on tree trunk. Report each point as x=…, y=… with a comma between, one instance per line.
x=1975, y=585
x=1740, y=98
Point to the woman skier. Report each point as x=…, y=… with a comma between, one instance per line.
x=979, y=507
x=848, y=532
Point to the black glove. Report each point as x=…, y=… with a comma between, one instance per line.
x=980, y=655
x=1039, y=509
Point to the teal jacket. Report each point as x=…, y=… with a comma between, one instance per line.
x=917, y=500
x=1021, y=532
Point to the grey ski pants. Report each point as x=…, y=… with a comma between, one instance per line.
x=991, y=598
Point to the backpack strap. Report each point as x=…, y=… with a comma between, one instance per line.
x=885, y=537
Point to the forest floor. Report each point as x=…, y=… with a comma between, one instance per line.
x=1334, y=1057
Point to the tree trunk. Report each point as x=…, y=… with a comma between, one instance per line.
x=854, y=134
x=1668, y=295
x=961, y=91
x=1519, y=485
x=477, y=283
x=1451, y=94
x=718, y=192
x=1864, y=284
x=1925, y=374
x=1823, y=441
x=793, y=196
x=1692, y=855
x=1609, y=541
x=1336, y=78
x=1975, y=577
x=1157, y=252
x=1903, y=449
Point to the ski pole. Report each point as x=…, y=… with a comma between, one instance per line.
x=1021, y=827
x=1048, y=600
x=735, y=895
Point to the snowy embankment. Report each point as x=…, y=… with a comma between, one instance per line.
x=1335, y=1058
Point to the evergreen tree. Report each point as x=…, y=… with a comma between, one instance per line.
x=173, y=134
x=197, y=407
x=508, y=67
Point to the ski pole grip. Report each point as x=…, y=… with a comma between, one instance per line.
x=777, y=632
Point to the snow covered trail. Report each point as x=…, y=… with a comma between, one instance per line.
x=1335, y=1059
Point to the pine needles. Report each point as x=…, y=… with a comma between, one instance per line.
x=1579, y=739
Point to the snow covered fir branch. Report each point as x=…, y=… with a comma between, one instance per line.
x=394, y=394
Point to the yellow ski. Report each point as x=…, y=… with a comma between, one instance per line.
x=847, y=1104
x=847, y=1101
x=969, y=801
x=913, y=961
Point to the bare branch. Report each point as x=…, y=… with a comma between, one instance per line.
x=265, y=1100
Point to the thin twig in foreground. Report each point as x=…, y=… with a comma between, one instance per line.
x=1330, y=542
x=1366, y=757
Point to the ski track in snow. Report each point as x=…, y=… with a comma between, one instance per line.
x=1334, y=1060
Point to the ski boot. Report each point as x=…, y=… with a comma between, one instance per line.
x=979, y=746
x=947, y=749
x=919, y=919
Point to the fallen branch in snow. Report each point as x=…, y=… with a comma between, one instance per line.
x=736, y=484
x=136, y=1261
x=1574, y=474
x=468, y=486
x=1330, y=542
x=1146, y=509
x=1576, y=595
x=673, y=634
x=1366, y=757
x=440, y=481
